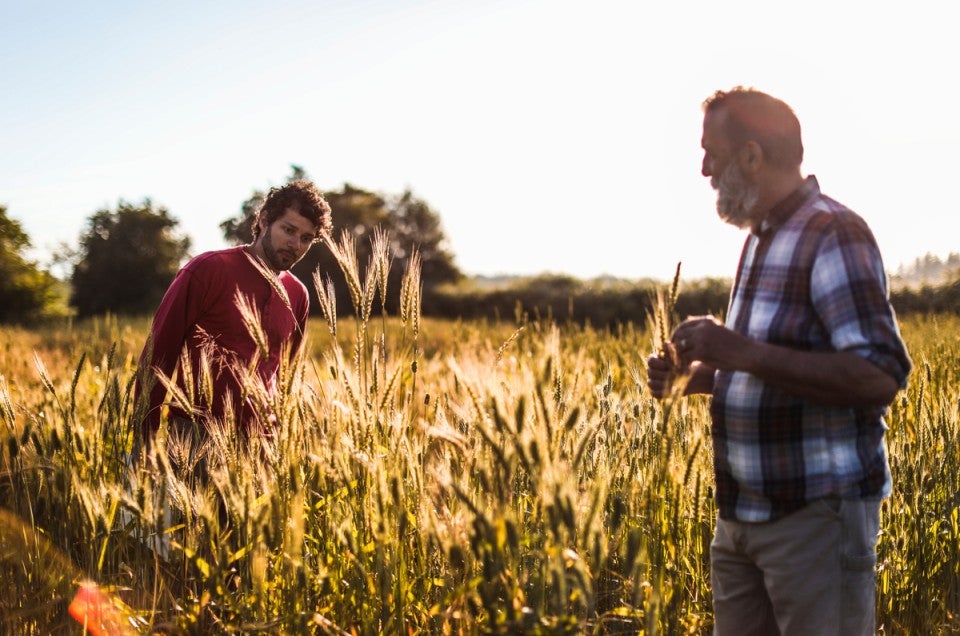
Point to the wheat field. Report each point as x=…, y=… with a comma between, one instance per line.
x=426, y=477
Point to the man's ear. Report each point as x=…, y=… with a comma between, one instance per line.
x=751, y=157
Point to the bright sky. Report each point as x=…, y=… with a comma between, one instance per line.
x=549, y=135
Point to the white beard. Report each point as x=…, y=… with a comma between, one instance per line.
x=736, y=199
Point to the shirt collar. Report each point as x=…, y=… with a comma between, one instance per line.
x=783, y=210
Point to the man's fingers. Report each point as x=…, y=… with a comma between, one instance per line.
x=655, y=363
x=658, y=376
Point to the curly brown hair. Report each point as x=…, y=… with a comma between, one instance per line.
x=302, y=196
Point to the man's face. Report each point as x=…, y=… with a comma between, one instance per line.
x=736, y=196
x=286, y=240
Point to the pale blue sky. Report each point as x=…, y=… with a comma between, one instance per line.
x=549, y=135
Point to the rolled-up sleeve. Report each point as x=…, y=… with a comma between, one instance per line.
x=850, y=295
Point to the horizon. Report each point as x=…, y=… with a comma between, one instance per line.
x=548, y=138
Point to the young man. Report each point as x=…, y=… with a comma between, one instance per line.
x=800, y=374
x=204, y=320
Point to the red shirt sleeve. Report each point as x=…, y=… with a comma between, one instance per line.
x=172, y=323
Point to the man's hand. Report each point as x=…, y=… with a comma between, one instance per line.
x=660, y=375
x=698, y=346
x=704, y=339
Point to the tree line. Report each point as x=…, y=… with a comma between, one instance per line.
x=27, y=292
x=126, y=258
x=928, y=270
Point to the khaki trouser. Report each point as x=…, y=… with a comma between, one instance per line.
x=810, y=573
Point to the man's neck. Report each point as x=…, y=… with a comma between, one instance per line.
x=776, y=190
x=256, y=250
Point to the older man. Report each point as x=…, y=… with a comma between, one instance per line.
x=801, y=373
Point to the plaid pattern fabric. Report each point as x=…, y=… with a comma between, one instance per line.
x=810, y=278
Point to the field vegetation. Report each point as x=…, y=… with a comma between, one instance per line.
x=426, y=477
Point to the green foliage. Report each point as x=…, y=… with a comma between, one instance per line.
x=408, y=220
x=608, y=302
x=943, y=298
x=127, y=259
x=27, y=292
x=929, y=285
x=601, y=303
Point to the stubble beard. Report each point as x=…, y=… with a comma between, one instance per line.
x=278, y=261
x=736, y=199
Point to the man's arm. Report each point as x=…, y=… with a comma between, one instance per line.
x=161, y=353
x=840, y=378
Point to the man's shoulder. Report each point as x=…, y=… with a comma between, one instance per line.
x=214, y=259
x=293, y=285
x=297, y=293
x=825, y=225
x=822, y=214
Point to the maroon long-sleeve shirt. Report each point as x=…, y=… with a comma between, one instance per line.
x=200, y=311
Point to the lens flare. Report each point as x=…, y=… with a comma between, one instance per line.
x=95, y=610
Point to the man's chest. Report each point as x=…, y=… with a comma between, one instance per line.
x=240, y=314
x=771, y=299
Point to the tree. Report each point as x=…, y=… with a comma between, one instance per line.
x=127, y=259
x=409, y=221
x=415, y=224
x=27, y=292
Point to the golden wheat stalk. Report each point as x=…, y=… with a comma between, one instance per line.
x=675, y=287
x=509, y=341
x=250, y=315
x=172, y=387
x=272, y=279
x=380, y=250
x=326, y=293
x=410, y=293
x=345, y=253
x=664, y=316
x=370, y=284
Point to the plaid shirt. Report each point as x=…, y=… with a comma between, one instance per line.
x=810, y=278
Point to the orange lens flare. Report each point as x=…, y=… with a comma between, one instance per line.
x=93, y=608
